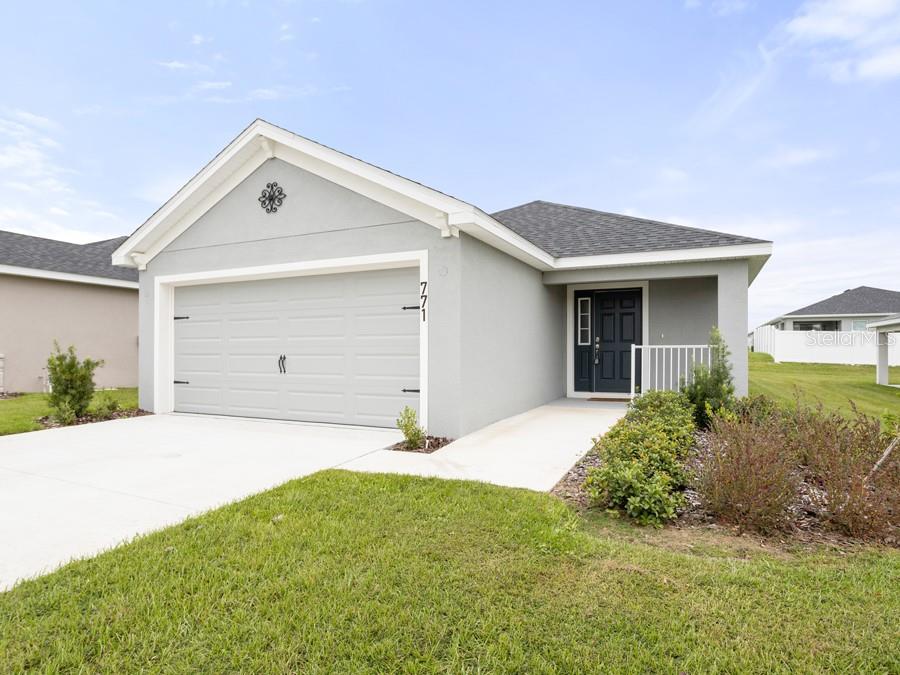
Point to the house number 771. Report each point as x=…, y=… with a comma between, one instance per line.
x=424, y=296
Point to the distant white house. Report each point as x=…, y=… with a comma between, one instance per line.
x=851, y=310
x=839, y=329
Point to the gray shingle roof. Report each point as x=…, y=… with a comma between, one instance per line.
x=565, y=231
x=861, y=300
x=22, y=250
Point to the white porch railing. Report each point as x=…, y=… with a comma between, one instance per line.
x=665, y=367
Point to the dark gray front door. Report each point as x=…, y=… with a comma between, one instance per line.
x=607, y=323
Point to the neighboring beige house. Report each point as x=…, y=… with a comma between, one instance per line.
x=54, y=290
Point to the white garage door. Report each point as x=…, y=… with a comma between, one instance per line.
x=332, y=348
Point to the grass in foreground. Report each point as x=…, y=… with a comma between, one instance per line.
x=18, y=414
x=832, y=385
x=343, y=572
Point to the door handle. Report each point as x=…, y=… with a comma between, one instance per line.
x=281, y=363
x=284, y=364
x=596, y=350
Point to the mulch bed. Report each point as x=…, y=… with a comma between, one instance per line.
x=807, y=528
x=49, y=423
x=429, y=445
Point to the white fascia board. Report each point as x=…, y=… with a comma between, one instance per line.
x=484, y=228
x=139, y=240
x=813, y=317
x=888, y=324
x=662, y=257
x=65, y=276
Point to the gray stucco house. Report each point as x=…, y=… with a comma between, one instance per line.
x=288, y=280
x=54, y=290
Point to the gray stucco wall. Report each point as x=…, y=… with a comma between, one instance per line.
x=513, y=336
x=682, y=311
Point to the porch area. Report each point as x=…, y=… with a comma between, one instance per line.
x=640, y=328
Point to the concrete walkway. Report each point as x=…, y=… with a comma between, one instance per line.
x=532, y=450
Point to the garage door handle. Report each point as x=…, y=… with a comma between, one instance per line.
x=284, y=363
x=281, y=363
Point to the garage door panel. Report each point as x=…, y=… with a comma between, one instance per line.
x=396, y=366
x=317, y=326
x=252, y=364
x=350, y=347
x=381, y=410
x=306, y=365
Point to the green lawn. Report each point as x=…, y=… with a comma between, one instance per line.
x=18, y=414
x=344, y=572
x=834, y=385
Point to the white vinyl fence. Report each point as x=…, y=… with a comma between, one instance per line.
x=810, y=346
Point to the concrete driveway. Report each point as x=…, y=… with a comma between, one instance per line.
x=68, y=493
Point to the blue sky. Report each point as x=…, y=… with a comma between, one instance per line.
x=773, y=119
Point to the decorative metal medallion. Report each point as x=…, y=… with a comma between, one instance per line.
x=272, y=197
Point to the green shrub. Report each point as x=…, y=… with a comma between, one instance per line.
x=641, y=470
x=71, y=381
x=408, y=423
x=63, y=414
x=672, y=411
x=712, y=386
x=107, y=406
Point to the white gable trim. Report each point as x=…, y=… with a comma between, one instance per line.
x=262, y=141
x=65, y=276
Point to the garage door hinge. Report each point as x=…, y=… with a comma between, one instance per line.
x=410, y=391
x=181, y=382
x=179, y=318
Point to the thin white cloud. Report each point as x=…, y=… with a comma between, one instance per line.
x=720, y=7
x=883, y=178
x=213, y=86
x=173, y=65
x=727, y=7
x=285, y=34
x=850, y=40
x=176, y=65
x=792, y=157
x=35, y=192
x=884, y=65
x=199, y=39
x=735, y=92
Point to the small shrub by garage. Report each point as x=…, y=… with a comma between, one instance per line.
x=641, y=459
x=71, y=384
